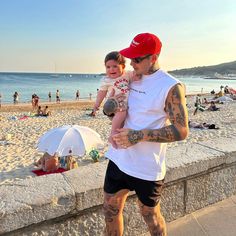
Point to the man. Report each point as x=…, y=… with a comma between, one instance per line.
x=157, y=115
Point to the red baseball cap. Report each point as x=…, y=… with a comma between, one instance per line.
x=142, y=44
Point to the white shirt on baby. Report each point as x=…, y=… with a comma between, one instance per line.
x=120, y=84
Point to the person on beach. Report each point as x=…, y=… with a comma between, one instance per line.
x=39, y=111
x=116, y=81
x=213, y=92
x=204, y=125
x=46, y=111
x=49, y=97
x=48, y=163
x=32, y=102
x=205, y=101
x=157, y=114
x=77, y=95
x=213, y=107
x=0, y=100
x=15, y=98
x=220, y=93
x=58, y=97
x=198, y=105
x=226, y=89
x=35, y=102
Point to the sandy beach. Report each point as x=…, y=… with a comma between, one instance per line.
x=17, y=157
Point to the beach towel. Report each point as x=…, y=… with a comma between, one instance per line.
x=41, y=172
x=23, y=117
x=12, y=118
x=3, y=142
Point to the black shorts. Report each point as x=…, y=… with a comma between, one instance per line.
x=148, y=192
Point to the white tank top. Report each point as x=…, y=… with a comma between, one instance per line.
x=145, y=160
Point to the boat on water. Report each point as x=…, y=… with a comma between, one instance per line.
x=219, y=76
x=55, y=74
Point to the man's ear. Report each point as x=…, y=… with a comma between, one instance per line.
x=123, y=66
x=154, y=58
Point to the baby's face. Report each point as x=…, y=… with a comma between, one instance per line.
x=114, y=69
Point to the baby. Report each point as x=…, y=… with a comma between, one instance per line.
x=117, y=82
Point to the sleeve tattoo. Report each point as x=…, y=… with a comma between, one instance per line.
x=177, y=113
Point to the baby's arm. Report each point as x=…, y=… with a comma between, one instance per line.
x=117, y=123
x=100, y=96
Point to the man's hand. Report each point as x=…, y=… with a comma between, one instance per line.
x=127, y=137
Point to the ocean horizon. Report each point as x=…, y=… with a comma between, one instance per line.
x=41, y=84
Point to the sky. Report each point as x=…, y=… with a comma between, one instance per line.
x=73, y=36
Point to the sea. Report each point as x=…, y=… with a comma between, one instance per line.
x=41, y=84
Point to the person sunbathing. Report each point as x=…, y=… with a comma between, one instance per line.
x=204, y=125
x=205, y=101
x=46, y=111
x=39, y=111
x=213, y=107
x=48, y=163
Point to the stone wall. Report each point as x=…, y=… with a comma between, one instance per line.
x=71, y=203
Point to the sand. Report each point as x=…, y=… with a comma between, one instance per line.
x=18, y=156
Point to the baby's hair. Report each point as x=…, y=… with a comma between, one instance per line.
x=116, y=56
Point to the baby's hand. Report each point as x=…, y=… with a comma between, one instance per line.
x=93, y=113
x=112, y=142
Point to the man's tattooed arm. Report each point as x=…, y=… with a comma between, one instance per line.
x=134, y=136
x=178, y=117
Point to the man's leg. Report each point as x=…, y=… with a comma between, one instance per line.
x=154, y=219
x=113, y=210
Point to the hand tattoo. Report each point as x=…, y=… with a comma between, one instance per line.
x=134, y=136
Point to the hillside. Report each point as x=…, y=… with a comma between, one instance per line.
x=224, y=68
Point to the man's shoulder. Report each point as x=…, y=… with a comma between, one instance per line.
x=164, y=73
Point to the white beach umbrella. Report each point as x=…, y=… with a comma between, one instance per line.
x=68, y=139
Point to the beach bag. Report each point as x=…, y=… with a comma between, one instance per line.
x=212, y=126
x=68, y=162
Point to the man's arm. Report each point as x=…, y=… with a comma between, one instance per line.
x=176, y=110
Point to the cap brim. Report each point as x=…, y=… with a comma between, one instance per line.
x=130, y=53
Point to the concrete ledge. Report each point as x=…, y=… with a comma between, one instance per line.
x=71, y=203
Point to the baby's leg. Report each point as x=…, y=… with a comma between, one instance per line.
x=117, y=123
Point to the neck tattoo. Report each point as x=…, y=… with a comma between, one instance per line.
x=153, y=69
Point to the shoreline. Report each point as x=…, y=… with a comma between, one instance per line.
x=67, y=104
x=27, y=106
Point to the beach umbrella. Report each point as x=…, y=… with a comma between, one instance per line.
x=69, y=139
